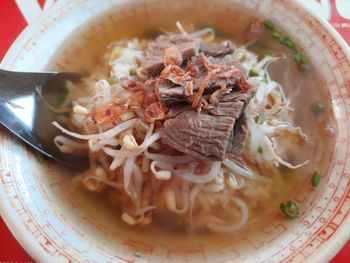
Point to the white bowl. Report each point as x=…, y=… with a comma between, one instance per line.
x=55, y=222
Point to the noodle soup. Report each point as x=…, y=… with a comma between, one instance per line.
x=156, y=186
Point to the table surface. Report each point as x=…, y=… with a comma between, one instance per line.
x=12, y=22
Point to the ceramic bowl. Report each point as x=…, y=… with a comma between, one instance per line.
x=55, y=222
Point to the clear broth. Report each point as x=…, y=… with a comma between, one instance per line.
x=82, y=52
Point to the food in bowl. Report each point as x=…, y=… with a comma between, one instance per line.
x=199, y=130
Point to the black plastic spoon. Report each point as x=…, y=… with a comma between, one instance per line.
x=27, y=102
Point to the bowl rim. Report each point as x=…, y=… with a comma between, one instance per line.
x=334, y=244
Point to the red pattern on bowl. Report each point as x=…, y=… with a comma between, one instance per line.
x=53, y=222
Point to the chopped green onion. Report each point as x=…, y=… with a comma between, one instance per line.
x=317, y=109
x=39, y=156
x=253, y=73
x=132, y=72
x=266, y=55
x=289, y=43
x=113, y=80
x=282, y=39
x=285, y=40
x=269, y=25
x=299, y=58
x=260, y=149
x=242, y=59
x=316, y=178
x=276, y=34
x=259, y=119
x=290, y=209
x=115, y=55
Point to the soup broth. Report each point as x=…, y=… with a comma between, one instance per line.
x=84, y=52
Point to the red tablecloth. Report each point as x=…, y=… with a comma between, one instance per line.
x=11, y=24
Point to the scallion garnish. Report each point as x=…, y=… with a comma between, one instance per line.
x=117, y=54
x=316, y=178
x=260, y=149
x=259, y=119
x=113, y=80
x=269, y=25
x=289, y=43
x=285, y=40
x=132, y=72
x=299, y=58
x=253, y=73
x=290, y=209
x=276, y=34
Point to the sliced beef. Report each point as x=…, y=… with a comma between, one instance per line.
x=170, y=94
x=198, y=134
x=216, y=50
x=188, y=45
x=153, y=63
x=231, y=104
x=204, y=95
x=211, y=133
x=178, y=109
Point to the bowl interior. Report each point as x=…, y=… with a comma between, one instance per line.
x=67, y=223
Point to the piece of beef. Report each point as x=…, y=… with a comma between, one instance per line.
x=170, y=94
x=198, y=134
x=189, y=46
x=153, y=63
x=216, y=50
x=211, y=133
x=231, y=104
x=178, y=109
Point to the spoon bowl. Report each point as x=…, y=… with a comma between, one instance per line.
x=29, y=103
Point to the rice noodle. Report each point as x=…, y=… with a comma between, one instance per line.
x=199, y=179
x=218, y=225
x=115, y=185
x=213, y=188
